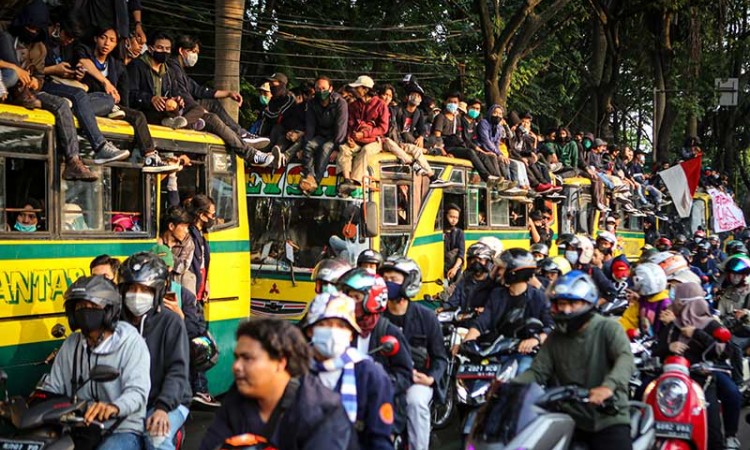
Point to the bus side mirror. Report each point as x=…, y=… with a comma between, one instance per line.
x=370, y=225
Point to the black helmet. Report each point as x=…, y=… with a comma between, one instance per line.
x=329, y=270
x=480, y=251
x=411, y=271
x=519, y=264
x=204, y=353
x=565, y=240
x=146, y=269
x=680, y=239
x=734, y=247
x=370, y=256
x=703, y=246
x=540, y=248
x=95, y=289
x=744, y=235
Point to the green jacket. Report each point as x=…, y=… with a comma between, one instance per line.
x=568, y=154
x=599, y=355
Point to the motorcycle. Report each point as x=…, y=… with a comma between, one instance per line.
x=526, y=417
x=614, y=308
x=679, y=404
x=47, y=423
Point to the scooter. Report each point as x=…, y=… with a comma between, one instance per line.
x=526, y=417
x=679, y=404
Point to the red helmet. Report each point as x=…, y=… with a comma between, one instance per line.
x=663, y=244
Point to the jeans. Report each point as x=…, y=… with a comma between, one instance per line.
x=198, y=381
x=8, y=54
x=606, y=180
x=85, y=107
x=518, y=173
x=122, y=441
x=471, y=155
x=177, y=418
x=731, y=402
x=67, y=137
x=315, y=157
x=137, y=120
x=418, y=398
x=408, y=153
x=214, y=106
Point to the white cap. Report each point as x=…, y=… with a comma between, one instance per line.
x=363, y=80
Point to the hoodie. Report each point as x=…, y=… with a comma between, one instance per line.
x=124, y=350
x=35, y=14
x=490, y=135
x=371, y=118
x=643, y=315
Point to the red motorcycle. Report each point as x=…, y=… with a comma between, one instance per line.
x=679, y=405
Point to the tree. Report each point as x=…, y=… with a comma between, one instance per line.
x=229, y=14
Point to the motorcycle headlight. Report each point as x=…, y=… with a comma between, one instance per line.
x=671, y=396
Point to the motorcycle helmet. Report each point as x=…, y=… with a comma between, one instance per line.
x=649, y=279
x=540, y=248
x=332, y=306
x=660, y=257
x=495, y=244
x=567, y=240
x=585, y=250
x=370, y=256
x=95, y=289
x=673, y=264
x=479, y=250
x=412, y=274
x=703, y=248
x=735, y=247
x=663, y=244
x=519, y=265
x=680, y=240
x=555, y=264
x=699, y=236
x=370, y=285
x=328, y=271
x=714, y=239
x=204, y=353
x=739, y=264
x=573, y=286
x=607, y=236
x=146, y=269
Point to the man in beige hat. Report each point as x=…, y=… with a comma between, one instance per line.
x=367, y=126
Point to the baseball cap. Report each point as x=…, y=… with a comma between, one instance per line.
x=363, y=80
x=414, y=88
x=600, y=142
x=462, y=107
x=280, y=77
x=163, y=252
x=611, y=219
x=620, y=269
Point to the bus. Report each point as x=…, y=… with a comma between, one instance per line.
x=76, y=225
x=398, y=214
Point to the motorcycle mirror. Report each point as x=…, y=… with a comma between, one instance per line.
x=389, y=346
x=58, y=331
x=102, y=373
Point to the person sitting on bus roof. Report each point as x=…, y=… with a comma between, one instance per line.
x=567, y=151
x=470, y=137
x=115, y=14
x=490, y=133
x=144, y=284
x=26, y=37
x=106, y=266
x=27, y=219
x=524, y=144
x=185, y=55
x=367, y=125
x=325, y=130
x=282, y=115
x=106, y=74
x=288, y=136
x=154, y=91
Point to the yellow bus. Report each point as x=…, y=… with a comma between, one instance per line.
x=76, y=226
x=399, y=215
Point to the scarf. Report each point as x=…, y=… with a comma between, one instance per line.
x=348, y=384
x=691, y=309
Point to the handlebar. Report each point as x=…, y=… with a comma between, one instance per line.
x=72, y=419
x=561, y=394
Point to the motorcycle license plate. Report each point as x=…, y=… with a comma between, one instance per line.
x=6, y=444
x=674, y=430
x=477, y=371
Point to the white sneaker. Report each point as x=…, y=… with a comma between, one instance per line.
x=732, y=443
x=255, y=141
x=154, y=164
x=116, y=113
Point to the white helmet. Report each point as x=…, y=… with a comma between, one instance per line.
x=659, y=258
x=495, y=244
x=607, y=236
x=649, y=279
x=586, y=249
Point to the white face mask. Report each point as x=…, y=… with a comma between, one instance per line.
x=191, y=59
x=571, y=256
x=139, y=303
x=331, y=342
x=144, y=48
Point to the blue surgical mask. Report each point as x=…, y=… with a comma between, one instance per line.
x=572, y=256
x=451, y=108
x=24, y=228
x=394, y=290
x=331, y=342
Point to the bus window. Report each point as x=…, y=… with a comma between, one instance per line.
x=83, y=204
x=394, y=244
x=477, y=208
x=457, y=176
x=518, y=213
x=499, y=215
x=192, y=179
x=390, y=204
x=223, y=189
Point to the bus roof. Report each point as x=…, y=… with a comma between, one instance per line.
x=13, y=113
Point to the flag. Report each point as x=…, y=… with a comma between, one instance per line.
x=681, y=181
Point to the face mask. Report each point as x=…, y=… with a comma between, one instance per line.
x=191, y=59
x=571, y=323
x=331, y=342
x=89, y=319
x=451, y=108
x=495, y=120
x=24, y=228
x=606, y=251
x=414, y=100
x=477, y=267
x=394, y=290
x=27, y=37
x=209, y=224
x=160, y=57
x=736, y=279
x=263, y=100
x=322, y=95
x=571, y=256
x=139, y=303
x=278, y=91
x=473, y=113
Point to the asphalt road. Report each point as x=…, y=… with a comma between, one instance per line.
x=447, y=439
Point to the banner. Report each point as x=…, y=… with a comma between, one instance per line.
x=727, y=215
x=681, y=181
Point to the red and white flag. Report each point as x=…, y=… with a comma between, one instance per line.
x=681, y=181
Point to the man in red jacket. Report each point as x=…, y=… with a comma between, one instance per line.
x=368, y=124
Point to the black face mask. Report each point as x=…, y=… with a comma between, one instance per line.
x=278, y=91
x=160, y=57
x=477, y=267
x=571, y=323
x=27, y=37
x=494, y=120
x=606, y=251
x=89, y=319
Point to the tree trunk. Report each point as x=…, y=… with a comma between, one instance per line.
x=229, y=14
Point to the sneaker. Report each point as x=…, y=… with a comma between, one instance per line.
x=417, y=169
x=76, y=170
x=175, y=123
x=732, y=443
x=199, y=125
x=515, y=191
x=109, y=153
x=438, y=183
x=259, y=159
x=555, y=196
x=204, y=398
x=308, y=184
x=556, y=167
x=255, y=141
x=492, y=180
x=279, y=158
x=664, y=203
x=346, y=187
x=154, y=164
x=116, y=113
